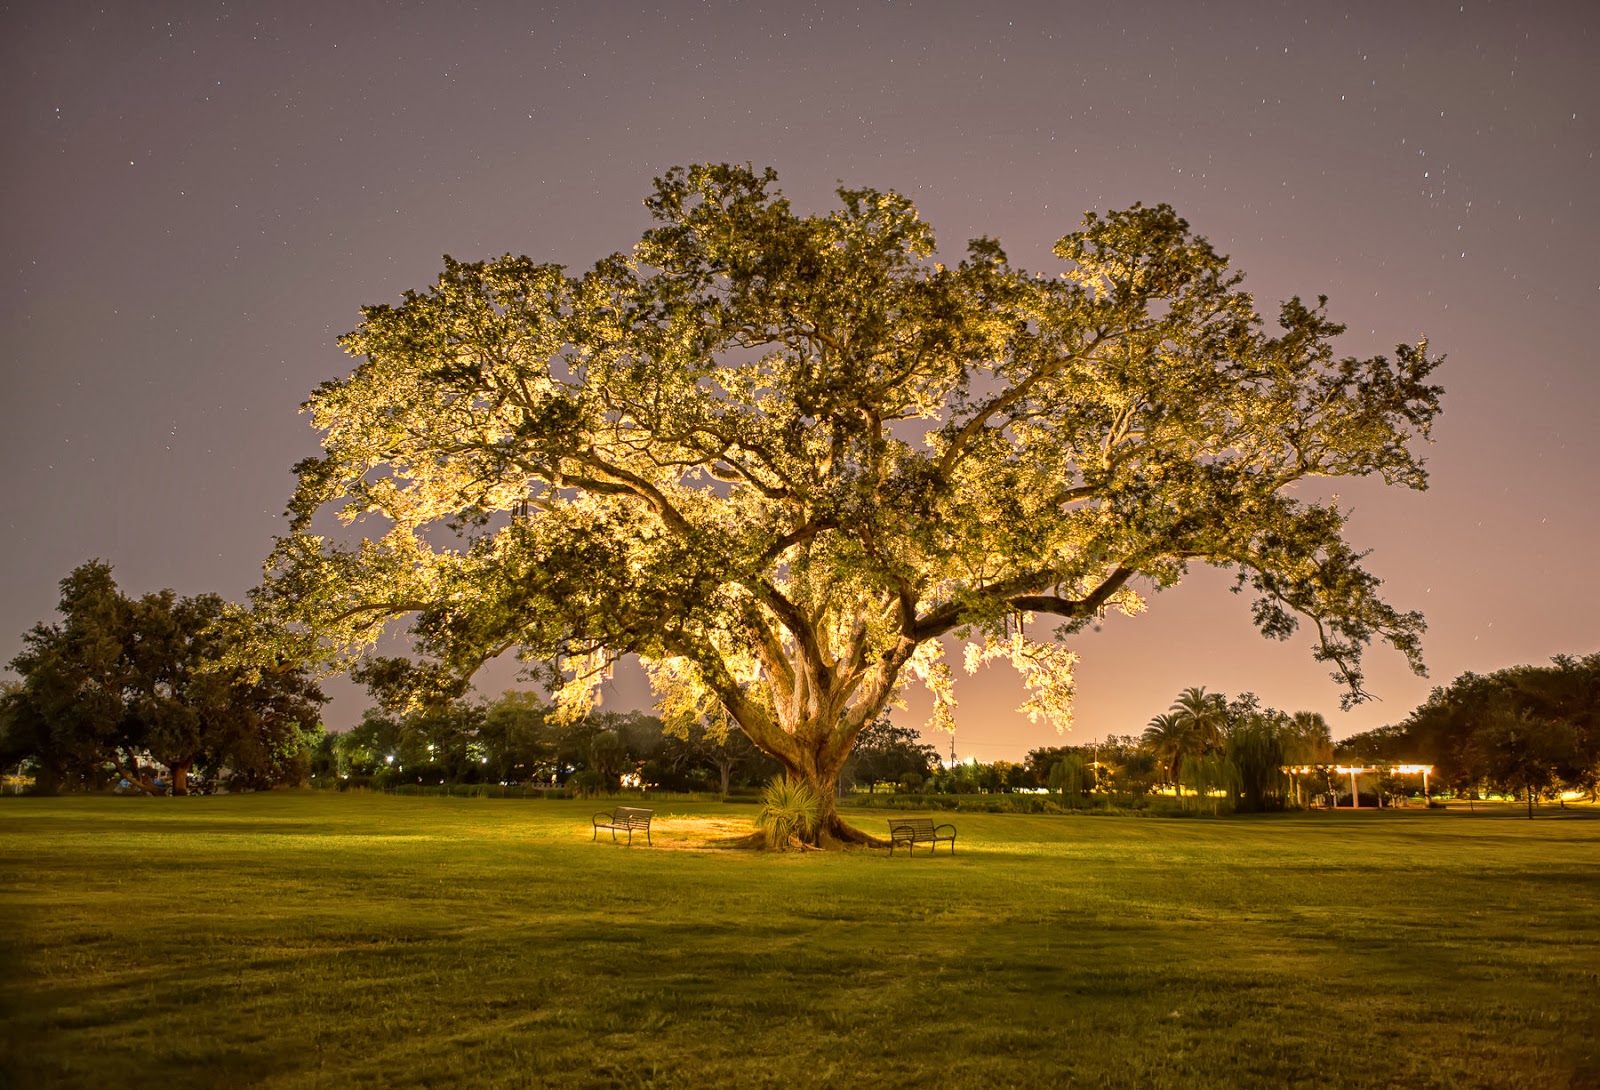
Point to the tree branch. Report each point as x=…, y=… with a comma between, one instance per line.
x=799, y=626
x=1017, y=593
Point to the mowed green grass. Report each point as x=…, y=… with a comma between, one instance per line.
x=292, y=940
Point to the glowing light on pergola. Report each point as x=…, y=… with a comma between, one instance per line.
x=1361, y=770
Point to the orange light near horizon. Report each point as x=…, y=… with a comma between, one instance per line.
x=1361, y=770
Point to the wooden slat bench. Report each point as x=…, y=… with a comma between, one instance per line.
x=628, y=819
x=914, y=831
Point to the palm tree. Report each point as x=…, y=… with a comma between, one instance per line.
x=1310, y=743
x=1205, y=714
x=1170, y=739
x=1313, y=741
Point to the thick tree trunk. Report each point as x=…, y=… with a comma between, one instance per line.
x=813, y=726
x=832, y=830
x=180, y=779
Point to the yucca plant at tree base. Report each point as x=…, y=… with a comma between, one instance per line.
x=789, y=813
x=778, y=457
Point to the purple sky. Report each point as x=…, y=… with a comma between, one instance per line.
x=199, y=197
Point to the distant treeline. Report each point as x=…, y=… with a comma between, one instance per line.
x=155, y=693
x=516, y=739
x=1529, y=730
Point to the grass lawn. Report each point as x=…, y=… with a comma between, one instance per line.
x=301, y=940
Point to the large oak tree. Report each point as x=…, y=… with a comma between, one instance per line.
x=780, y=457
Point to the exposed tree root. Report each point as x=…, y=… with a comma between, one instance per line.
x=749, y=842
x=836, y=834
x=827, y=840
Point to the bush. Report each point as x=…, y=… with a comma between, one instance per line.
x=587, y=784
x=789, y=812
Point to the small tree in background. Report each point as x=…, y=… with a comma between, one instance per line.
x=1258, y=749
x=122, y=682
x=1213, y=778
x=1526, y=754
x=1071, y=778
x=518, y=738
x=1136, y=773
x=884, y=753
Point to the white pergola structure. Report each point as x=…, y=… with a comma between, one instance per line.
x=1361, y=770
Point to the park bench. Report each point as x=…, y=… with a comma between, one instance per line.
x=626, y=819
x=914, y=831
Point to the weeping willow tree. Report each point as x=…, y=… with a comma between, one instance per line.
x=1214, y=779
x=1258, y=746
x=789, y=460
x=1071, y=776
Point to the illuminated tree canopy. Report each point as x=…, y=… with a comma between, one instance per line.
x=780, y=456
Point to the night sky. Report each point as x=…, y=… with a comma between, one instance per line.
x=198, y=198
